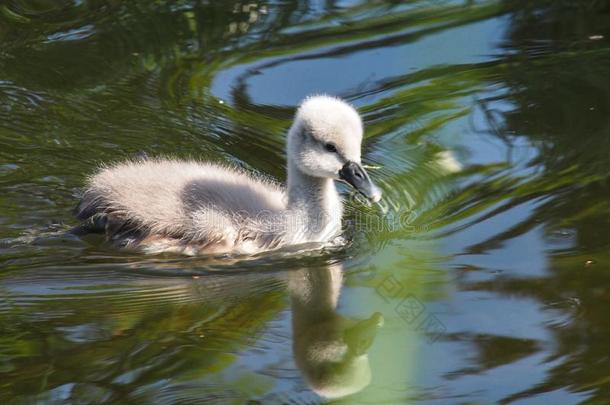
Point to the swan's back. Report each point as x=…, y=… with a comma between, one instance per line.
x=161, y=201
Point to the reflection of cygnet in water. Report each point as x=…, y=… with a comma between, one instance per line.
x=330, y=350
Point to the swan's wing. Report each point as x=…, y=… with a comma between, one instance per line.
x=184, y=200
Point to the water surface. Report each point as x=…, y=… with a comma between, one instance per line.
x=487, y=122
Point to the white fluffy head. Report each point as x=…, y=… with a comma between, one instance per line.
x=326, y=133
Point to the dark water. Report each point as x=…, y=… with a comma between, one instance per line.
x=488, y=120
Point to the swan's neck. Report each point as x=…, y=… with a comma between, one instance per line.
x=316, y=200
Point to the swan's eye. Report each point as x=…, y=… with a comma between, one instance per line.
x=330, y=147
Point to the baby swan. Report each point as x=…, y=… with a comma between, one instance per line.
x=164, y=205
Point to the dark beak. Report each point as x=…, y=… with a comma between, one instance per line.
x=357, y=177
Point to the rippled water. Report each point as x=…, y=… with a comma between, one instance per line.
x=489, y=262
